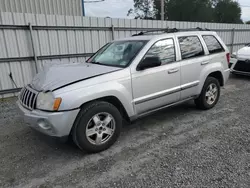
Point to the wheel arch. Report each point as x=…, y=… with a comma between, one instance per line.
x=215, y=71
x=218, y=75
x=114, y=101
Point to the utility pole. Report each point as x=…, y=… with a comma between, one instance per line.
x=83, y=8
x=162, y=9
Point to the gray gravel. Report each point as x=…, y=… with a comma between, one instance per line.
x=177, y=147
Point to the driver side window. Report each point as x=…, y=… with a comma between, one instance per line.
x=164, y=50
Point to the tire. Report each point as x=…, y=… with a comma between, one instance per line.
x=86, y=121
x=203, y=102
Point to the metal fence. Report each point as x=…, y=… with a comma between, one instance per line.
x=55, y=7
x=29, y=42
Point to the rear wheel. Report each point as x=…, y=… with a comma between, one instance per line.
x=209, y=95
x=97, y=127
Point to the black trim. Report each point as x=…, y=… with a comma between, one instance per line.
x=83, y=80
x=240, y=73
x=68, y=110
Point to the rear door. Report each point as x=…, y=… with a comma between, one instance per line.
x=193, y=60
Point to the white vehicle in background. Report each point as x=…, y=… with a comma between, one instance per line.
x=240, y=61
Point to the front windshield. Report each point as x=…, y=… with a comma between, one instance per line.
x=119, y=53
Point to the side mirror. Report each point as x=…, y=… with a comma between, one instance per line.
x=149, y=62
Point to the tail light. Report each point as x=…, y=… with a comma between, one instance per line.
x=228, y=57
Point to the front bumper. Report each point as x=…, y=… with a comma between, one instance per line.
x=241, y=67
x=56, y=124
x=240, y=72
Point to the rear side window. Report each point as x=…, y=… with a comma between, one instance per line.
x=190, y=47
x=213, y=44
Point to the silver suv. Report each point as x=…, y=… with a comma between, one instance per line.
x=126, y=79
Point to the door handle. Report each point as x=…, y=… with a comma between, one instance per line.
x=204, y=62
x=171, y=71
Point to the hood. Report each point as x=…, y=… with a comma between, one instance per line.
x=58, y=76
x=244, y=52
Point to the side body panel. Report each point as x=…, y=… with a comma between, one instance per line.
x=116, y=84
x=155, y=87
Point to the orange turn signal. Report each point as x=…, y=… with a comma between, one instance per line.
x=57, y=103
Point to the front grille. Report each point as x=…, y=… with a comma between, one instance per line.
x=28, y=97
x=242, y=66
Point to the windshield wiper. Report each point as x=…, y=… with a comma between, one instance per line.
x=95, y=62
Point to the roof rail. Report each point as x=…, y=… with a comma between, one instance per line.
x=171, y=30
x=195, y=29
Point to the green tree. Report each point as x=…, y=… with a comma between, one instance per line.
x=143, y=9
x=227, y=11
x=186, y=10
x=248, y=22
x=224, y=11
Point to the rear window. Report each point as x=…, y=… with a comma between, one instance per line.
x=213, y=44
x=190, y=47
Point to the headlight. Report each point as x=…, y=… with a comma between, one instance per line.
x=47, y=101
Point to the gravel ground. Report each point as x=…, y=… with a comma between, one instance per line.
x=177, y=147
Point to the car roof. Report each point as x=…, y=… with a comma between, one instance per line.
x=156, y=36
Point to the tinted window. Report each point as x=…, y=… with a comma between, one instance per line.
x=164, y=49
x=213, y=44
x=190, y=47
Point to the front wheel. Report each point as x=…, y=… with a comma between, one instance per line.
x=210, y=94
x=97, y=126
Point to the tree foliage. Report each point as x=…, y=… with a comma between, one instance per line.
x=224, y=11
x=227, y=11
x=143, y=9
x=248, y=22
x=186, y=10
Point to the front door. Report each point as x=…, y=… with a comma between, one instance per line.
x=158, y=86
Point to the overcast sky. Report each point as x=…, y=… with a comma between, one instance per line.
x=119, y=8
